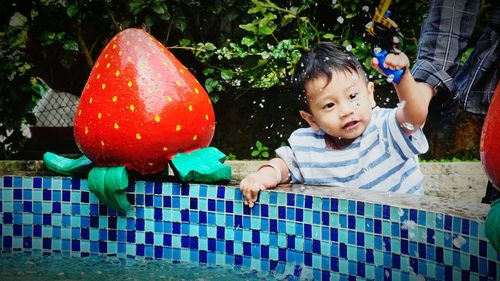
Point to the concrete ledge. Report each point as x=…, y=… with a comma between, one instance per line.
x=463, y=181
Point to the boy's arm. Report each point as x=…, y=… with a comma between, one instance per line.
x=269, y=175
x=414, y=96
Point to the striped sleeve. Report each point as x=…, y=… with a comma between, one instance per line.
x=406, y=146
x=287, y=155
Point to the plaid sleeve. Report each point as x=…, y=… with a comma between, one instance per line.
x=445, y=32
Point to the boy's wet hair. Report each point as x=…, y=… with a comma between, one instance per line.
x=323, y=60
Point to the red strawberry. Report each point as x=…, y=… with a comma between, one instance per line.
x=141, y=106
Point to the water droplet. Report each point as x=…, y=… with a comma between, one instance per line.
x=390, y=78
x=365, y=8
x=408, y=126
x=401, y=212
x=348, y=48
x=459, y=241
x=401, y=104
x=368, y=25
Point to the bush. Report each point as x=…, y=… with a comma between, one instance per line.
x=242, y=51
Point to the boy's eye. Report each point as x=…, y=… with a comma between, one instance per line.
x=329, y=105
x=353, y=96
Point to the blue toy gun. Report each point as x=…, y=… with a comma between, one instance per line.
x=384, y=34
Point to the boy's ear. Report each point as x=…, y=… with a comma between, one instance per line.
x=309, y=119
x=371, y=95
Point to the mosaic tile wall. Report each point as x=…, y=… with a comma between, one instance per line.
x=295, y=234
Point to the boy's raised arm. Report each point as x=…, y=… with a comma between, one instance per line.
x=415, y=97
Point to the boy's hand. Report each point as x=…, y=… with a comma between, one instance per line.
x=255, y=182
x=393, y=61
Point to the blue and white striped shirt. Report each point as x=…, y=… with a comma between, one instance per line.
x=383, y=158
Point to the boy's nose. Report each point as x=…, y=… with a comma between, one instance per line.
x=345, y=109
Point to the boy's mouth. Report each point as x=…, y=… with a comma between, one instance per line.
x=351, y=125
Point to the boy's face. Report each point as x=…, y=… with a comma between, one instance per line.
x=341, y=108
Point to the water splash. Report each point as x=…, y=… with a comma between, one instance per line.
x=408, y=126
x=459, y=241
x=340, y=20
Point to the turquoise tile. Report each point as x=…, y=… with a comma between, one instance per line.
x=166, y=188
x=342, y=235
x=140, y=187
x=343, y=266
x=36, y=194
x=56, y=220
x=316, y=261
x=395, y=213
x=369, y=241
x=282, y=241
x=238, y=248
x=386, y=228
x=273, y=253
x=360, y=224
x=352, y=253
x=396, y=246
x=131, y=249
x=256, y=223
x=264, y=238
x=211, y=231
x=75, y=197
x=430, y=219
x=378, y=257
x=8, y=207
x=439, y=238
x=247, y=235
x=264, y=197
x=343, y=206
x=184, y=203
x=290, y=228
x=211, y=191
x=273, y=211
x=325, y=248
x=316, y=205
x=149, y=213
x=308, y=216
x=220, y=220
x=448, y=257
x=334, y=220
x=194, y=230
x=194, y=190
x=281, y=198
x=228, y=234
x=316, y=232
x=369, y=271
x=299, y=244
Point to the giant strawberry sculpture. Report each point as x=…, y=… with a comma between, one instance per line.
x=139, y=110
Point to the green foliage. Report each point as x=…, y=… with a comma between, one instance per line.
x=260, y=151
x=234, y=47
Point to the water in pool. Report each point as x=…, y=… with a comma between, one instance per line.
x=23, y=266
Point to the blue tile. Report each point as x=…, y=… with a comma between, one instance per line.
x=386, y=212
x=334, y=205
x=351, y=222
x=308, y=202
x=351, y=207
x=447, y=222
x=7, y=181
x=360, y=208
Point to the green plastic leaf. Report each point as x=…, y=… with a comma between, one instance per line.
x=255, y=153
x=265, y=154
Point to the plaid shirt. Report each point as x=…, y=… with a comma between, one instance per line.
x=445, y=34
